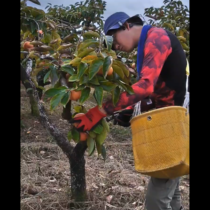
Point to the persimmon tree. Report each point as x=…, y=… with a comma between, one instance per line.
x=75, y=61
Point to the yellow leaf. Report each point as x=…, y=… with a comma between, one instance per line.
x=75, y=61
x=181, y=38
x=85, y=52
x=89, y=58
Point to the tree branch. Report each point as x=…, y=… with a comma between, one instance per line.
x=149, y=16
x=60, y=139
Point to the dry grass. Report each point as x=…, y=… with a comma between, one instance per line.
x=45, y=175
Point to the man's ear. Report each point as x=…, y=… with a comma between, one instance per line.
x=126, y=25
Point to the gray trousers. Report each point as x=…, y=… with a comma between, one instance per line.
x=163, y=194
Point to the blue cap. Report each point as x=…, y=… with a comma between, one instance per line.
x=117, y=19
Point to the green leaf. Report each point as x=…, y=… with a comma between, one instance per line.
x=66, y=61
x=121, y=66
x=67, y=68
x=115, y=95
x=101, y=78
x=75, y=62
x=102, y=136
x=95, y=67
x=90, y=34
x=84, y=95
x=39, y=17
x=98, y=129
x=57, y=84
x=103, y=152
x=75, y=135
x=94, y=81
x=108, y=41
x=53, y=75
x=118, y=70
x=70, y=37
x=98, y=94
x=73, y=78
x=98, y=147
x=69, y=135
x=108, y=86
x=87, y=43
x=46, y=76
x=85, y=52
x=54, y=91
x=78, y=109
x=127, y=88
x=33, y=27
x=81, y=70
x=81, y=87
x=56, y=100
x=91, y=145
x=107, y=64
x=65, y=98
x=111, y=53
x=83, y=80
x=126, y=80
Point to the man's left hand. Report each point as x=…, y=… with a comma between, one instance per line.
x=89, y=119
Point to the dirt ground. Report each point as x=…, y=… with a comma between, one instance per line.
x=45, y=176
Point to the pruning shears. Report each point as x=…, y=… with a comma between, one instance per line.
x=112, y=117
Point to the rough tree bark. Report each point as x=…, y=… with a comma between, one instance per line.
x=33, y=102
x=74, y=154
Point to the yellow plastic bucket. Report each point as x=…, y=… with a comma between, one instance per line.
x=160, y=141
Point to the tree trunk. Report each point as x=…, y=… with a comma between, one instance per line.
x=77, y=164
x=33, y=102
x=74, y=154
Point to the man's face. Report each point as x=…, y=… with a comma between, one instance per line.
x=122, y=40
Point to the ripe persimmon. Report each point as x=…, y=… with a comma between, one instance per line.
x=83, y=136
x=75, y=95
x=110, y=71
x=27, y=45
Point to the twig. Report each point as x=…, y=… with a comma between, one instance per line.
x=73, y=27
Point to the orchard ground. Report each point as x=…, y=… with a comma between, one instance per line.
x=45, y=175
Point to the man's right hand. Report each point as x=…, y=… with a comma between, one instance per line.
x=123, y=118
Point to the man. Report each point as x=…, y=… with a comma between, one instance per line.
x=161, y=65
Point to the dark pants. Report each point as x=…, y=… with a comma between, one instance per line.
x=163, y=194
